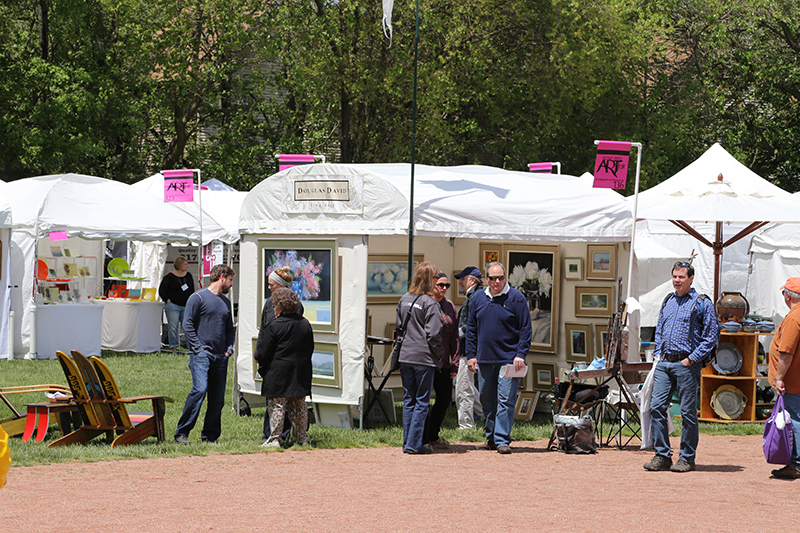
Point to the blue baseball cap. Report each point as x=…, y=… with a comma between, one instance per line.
x=469, y=271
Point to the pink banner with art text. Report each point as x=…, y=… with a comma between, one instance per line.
x=292, y=160
x=611, y=164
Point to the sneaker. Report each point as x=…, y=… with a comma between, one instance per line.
x=505, y=450
x=440, y=443
x=787, y=472
x=425, y=450
x=659, y=462
x=486, y=446
x=182, y=439
x=682, y=466
x=271, y=444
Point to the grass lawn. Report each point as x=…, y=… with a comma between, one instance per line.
x=167, y=374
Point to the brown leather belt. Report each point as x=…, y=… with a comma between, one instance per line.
x=675, y=357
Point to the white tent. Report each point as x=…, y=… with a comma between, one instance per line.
x=775, y=257
x=87, y=207
x=221, y=207
x=357, y=206
x=5, y=270
x=717, y=188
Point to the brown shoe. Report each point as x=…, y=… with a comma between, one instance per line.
x=658, y=463
x=682, y=466
x=787, y=472
x=440, y=443
x=504, y=450
x=486, y=446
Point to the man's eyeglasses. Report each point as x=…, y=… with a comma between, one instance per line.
x=681, y=264
x=496, y=278
x=443, y=285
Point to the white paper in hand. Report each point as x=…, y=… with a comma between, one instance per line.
x=508, y=371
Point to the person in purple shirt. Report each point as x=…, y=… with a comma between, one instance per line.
x=208, y=324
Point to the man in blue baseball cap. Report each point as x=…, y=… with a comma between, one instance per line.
x=468, y=403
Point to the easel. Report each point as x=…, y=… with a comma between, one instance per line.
x=612, y=372
x=369, y=369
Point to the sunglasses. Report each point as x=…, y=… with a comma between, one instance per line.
x=443, y=285
x=681, y=264
x=496, y=278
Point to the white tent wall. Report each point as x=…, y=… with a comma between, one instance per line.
x=6, y=289
x=350, y=332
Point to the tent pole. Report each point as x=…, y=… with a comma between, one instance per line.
x=413, y=152
x=633, y=221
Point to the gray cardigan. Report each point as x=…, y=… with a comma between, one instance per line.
x=422, y=344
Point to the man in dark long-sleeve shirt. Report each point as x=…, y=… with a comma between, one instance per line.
x=208, y=324
x=686, y=333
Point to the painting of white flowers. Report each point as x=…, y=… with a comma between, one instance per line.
x=314, y=269
x=535, y=271
x=387, y=277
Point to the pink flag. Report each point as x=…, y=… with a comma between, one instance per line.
x=542, y=168
x=58, y=235
x=179, y=190
x=611, y=165
x=292, y=160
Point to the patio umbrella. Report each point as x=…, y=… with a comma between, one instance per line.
x=717, y=188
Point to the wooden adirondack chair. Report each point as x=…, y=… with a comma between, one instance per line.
x=18, y=423
x=103, y=409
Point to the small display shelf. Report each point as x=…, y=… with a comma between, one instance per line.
x=744, y=380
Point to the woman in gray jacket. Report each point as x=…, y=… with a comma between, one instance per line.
x=421, y=353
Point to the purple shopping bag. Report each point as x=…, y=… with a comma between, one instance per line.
x=778, y=437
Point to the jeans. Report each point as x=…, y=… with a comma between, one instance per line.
x=209, y=377
x=174, y=317
x=443, y=385
x=468, y=403
x=792, y=404
x=499, y=399
x=417, y=384
x=686, y=379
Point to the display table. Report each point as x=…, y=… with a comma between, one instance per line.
x=132, y=325
x=68, y=327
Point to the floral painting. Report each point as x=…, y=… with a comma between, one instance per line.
x=534, y=271
x=314, y=270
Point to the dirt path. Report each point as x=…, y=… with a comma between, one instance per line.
x=381, y=489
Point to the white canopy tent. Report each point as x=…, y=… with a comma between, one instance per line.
x=351, y=203
x=221, y=207
x=5, y=270
x=717, y=188
x=87, y=207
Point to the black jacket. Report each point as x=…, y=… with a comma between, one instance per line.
x=284, y=354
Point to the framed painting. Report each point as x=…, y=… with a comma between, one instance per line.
x=458, y=296
x=315, y=267
x=526, y=405
x=489, y=253
x=594, y=301
x=573, y=268
x=326, y=365
x=544, y=375
x=579, y=342
x=387, y=277
x=601, y=336
x=536, y=272
x=601, y=261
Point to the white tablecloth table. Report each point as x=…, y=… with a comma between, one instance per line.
x=132, y=326
x=68, y=327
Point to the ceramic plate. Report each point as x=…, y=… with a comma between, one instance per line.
x=728, y=402
x=728, y=359
x=117, y=266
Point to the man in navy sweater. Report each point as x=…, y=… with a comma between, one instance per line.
x=498, y=334
x=208, y=324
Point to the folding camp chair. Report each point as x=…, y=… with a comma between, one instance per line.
x=102, y=408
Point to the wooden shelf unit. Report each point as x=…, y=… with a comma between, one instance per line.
x=744, y=380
